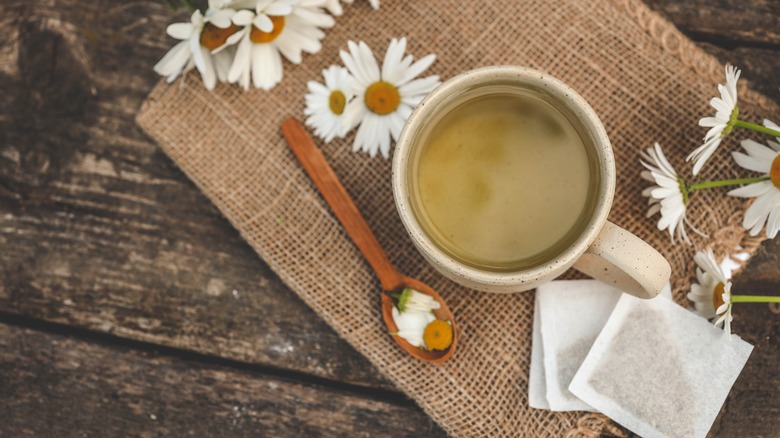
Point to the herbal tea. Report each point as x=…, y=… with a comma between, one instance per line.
x=504, y=182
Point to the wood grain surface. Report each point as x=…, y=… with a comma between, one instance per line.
x=167, y=311
x=58, y=386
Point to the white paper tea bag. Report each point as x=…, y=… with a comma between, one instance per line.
x=660, y=370
x=572, y=315
x=537, y=388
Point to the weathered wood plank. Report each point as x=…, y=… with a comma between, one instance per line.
x=743, y=33
x=53, y=385
x=98, y=227
x=736, y=22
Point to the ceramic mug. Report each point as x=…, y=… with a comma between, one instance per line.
x=602, y=250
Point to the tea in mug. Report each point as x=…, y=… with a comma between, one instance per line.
x=504, y=182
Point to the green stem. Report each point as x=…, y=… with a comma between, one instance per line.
x=725, y=182
x=754, y=299
x=755, y=127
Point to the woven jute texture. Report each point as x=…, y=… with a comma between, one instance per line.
x=646, y=81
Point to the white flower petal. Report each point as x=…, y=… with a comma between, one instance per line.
x=222, y=18
x=241, y=61
x=175, y=60
x=222, y=62
x=757, y=213
x=419, y=87
x=750, y=163
x=263, y=22
x=180, y=31
x=391, y=66
x=751, y=190
x=207, y=73
x=773, y=223
x=771, y=125
x=417, y=68
x=759, y=152
x=266, y=66
x=334, y=7
x=368, y=61
x=243, y=17
x=703, y=153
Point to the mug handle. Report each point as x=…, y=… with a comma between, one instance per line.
x=623, y=260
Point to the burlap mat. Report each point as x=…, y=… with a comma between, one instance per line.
x=646, y=81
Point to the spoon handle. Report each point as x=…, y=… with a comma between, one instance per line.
x=342, y=205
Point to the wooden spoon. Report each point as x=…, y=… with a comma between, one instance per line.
x=345, y=209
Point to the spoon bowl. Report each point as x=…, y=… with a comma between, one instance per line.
x=347, y=212
x=443, y=312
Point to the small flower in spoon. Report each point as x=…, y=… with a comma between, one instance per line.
x=342, y=205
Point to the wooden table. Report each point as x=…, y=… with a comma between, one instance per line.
x=129, y=306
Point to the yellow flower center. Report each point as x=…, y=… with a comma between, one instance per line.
x=774, y=171
x=382, y=98
x=337, y=101
x=717, y=295
x=212, y=36
x=258, y=36
x=438, y=335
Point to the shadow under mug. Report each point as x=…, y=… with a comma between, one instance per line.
x=602, y=250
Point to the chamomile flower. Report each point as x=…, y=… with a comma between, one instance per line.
x=411, y=325
x=295, y=27
x=721, y=125
x=765, y=210
x=201, y=39
x=384, y=98
x=325, y=103
x=711, y=296
x=668, y=196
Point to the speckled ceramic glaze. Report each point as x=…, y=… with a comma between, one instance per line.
x=603, y=250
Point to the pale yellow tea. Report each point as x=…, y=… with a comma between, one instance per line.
x=504, y=182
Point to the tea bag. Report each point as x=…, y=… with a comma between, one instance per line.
x=659, y=369
x=537, y=388
x=572, y=315
x=568, y=316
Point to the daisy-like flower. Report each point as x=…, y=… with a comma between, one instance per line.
x=711, y=296
x=411, y=325
x=386, y=97
x=413, y=314
x=765, y=210
x=202, y=40
x=669, y=195
x=274, y=29
x=721, y=125
x=325, y=103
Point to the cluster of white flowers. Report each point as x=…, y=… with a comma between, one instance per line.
x=242, y=39
x=670, y=194
x=378, y=100
x=711, y=294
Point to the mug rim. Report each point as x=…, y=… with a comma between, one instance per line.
x=525, y=278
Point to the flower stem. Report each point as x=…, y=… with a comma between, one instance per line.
x=754, y=299
x=725, y=182
x=755, y=127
